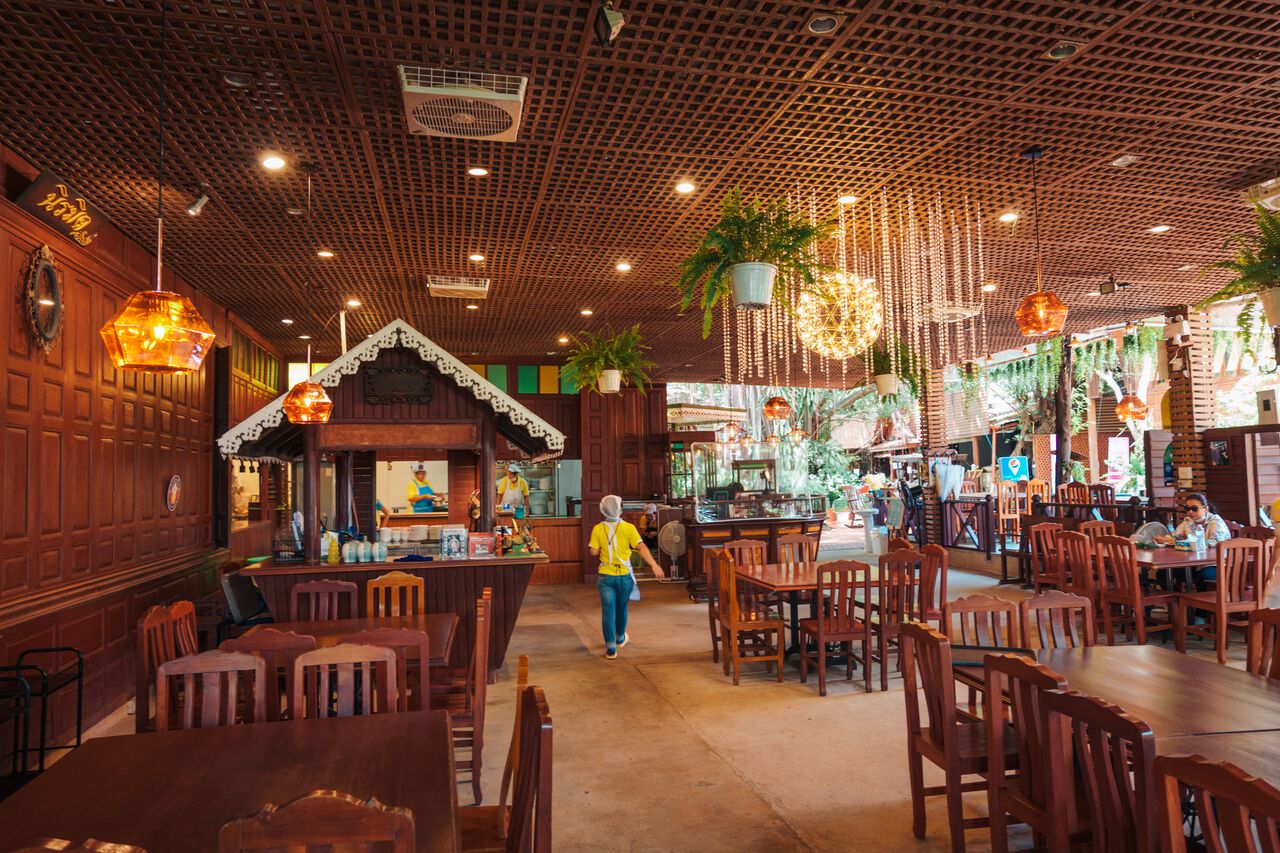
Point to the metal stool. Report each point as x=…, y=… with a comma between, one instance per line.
x=15, y=708
x=42, y=684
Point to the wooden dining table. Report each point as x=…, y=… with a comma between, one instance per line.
x=1166, y=558
x=172, y=791
x=1256, y=753
x=788, y=578
x=440, y=627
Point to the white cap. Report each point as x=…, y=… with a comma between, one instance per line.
x=419, y=466
x=513, y=468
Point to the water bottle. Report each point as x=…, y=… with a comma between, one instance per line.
x=1201, y=544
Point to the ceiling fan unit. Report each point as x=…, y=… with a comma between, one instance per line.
x=462, y=104
x=457, y=287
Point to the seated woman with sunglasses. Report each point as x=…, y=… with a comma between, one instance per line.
x=1198, y=519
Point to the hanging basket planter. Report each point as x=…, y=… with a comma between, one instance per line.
x=753, y=285
x=1270, y=301
x=610, y=381
x=886, y=384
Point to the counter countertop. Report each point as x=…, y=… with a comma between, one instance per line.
x=271, y=567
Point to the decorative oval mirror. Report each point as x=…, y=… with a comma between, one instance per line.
x=44, y=299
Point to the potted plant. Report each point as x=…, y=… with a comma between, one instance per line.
x=606, y=361
x=749, y=253
x=1255, y=265
x=886, y=380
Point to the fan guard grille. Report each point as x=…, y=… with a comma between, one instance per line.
x=462, y=117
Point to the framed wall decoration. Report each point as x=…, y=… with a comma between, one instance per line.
x=173, y=492
x=42, y=299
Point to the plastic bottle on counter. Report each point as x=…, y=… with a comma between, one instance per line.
x=379, y=552
x=335, y=555
x=366, y=551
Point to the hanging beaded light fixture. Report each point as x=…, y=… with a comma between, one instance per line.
x=777, y=409
x=730, y=431
x=773, y=440
x=1042, y=314
x=307, y=402
x=797, y=435
x=746, y=441
x=157, y=331
x=841, y=316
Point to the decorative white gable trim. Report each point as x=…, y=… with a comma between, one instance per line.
x=396, y=333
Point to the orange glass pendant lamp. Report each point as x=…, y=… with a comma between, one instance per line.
x=157, y=331
x=1042, y=314
x=1131, y=408
x=307, y=402
x=777, y=409
x=797, y=435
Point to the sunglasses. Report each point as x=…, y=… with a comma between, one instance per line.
x=1193, y=507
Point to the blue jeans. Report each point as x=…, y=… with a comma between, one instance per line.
x=615, y=592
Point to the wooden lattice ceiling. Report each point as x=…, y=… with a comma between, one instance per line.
x=939, y=96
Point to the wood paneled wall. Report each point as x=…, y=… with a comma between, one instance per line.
x=86, y=542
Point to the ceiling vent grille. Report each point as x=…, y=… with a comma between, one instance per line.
x=462, y=104
x=457, y=287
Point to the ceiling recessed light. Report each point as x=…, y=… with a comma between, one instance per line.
x=1125, y=160
x=304, y=337
x=586, y=312
x=46, y=301
x=471, y=306
x=1160, y=229
x=476, y=256
x=847, y=199
x=685, y=187
x=271, y=160
x=238, y=79
x=1063, y=50
x=1009, y=216
x=353, y=303
x=623, y=266
x=1186, y=267
x=324, y=253
x=563, y=339
x=287, y=321
x=477, y=171
x=295, y=211
x=1094, y=293
x=824, y=23
x=989, y=286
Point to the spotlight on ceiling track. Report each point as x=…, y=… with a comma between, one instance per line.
x=608, y=24
x=197, y=207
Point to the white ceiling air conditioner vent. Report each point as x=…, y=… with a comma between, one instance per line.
x=462, y=104
x=1266, y=193
x=458, y=287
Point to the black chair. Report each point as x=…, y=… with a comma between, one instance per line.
x=15, y=710
x=244, y=600
x=44, y=681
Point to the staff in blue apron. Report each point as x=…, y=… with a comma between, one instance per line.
x=422, y=497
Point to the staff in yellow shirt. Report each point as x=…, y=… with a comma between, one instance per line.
x=612, y=541
x=513, y=490
x=422, y=496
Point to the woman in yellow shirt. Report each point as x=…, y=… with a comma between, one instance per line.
x=612, y=541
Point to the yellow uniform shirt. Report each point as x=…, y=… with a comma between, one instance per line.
x=505, y=486
x=615, y=555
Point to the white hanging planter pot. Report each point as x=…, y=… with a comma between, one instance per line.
x=886, y=384
x=753, y=285
x=610, y=381
x=1270, y=302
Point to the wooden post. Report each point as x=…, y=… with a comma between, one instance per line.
x=933, y=434
x=1062, y=416
x=310, y=495
x=341, y=481
x=1191, y=399
x=485, y=481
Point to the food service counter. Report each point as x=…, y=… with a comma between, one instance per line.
x=703, y=534
x=452, y=586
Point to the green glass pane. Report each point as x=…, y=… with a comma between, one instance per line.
x=497, y=374
x=527, y=379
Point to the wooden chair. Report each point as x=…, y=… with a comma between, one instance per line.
x=90, y=845
x=1075, y=555
x=1008, y=507
x=899, y=601
x=1036, y=489
x=840, y=620
x=749, y=631
x=747, y=552
x=1232, y=809
x=211, y=683
x=1046, y=558
x=1061, y=620
x=466, y=708
x=1098, y=748
x=412, y=672
x=513, y=749
x=797, y=549
x=321, y=819
x=395, y=594
x=1124, y=600
x=323, y=600
x=933, y=581
x=279, y=649
x=711, y=566
x=185, y=633
x=1015, y=686
x=1238, y=591
x=1263, y=638
x=982, y=620
x=1073, y=493
x=898, y=543
x=1095, y=528
x=324, y=682
x=155, y=646
x=1267, y=536
x=959, y=748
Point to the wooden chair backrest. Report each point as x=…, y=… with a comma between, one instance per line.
x=983, y=620
x=478, y=673
x=1008, y=503
x=933, y=577
x=324, y=682
x=1095, y=528
x=530, y=828
x=1118, y=571
x=1230, y=805
x=1264, y=642
x=1102, y=493
x=1013, y=691
x=1108, y=753
x=1034, y=488
x=738, y=604
x=897, y=543
x=156, y=643
x=185, y=634
x=797, y=549
x=321, y=819
x=1075, y=551
x=413, y=678
x=1239, y=570
x=1045, y=555
x=900, y=582
x=1059, y=620
x=90, y=845
x=323, y=600
x=395, y=594
x=1074, y=493
x=513, y=750
x=748, y=552
x=841, y=585
x=1267, y=536
x=210, y=694
x=926, y=653
x=279, y=649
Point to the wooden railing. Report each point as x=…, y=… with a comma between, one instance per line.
x=970, y=522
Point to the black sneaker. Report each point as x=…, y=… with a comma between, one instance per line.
x=610, y=654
